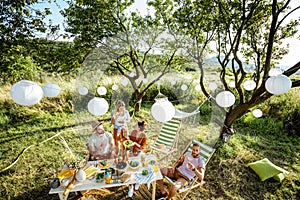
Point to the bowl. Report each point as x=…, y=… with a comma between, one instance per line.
x=121, y=166
x=134, y=165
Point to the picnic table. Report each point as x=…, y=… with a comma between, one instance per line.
x=136, y=177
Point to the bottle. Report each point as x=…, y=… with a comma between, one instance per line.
x=108, y=178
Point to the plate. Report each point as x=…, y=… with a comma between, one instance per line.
x=128, y=143
x=104, y=164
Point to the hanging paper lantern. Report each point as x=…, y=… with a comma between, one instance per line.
x=83, y=91
x=257, y=113
x=225, y=99
x=51, y=90
x=184, y=87
x=115, y=87
x=197, y=88
x=162, y=110
x=131, y=74
x=124, y=81
x=98, y=106
x=212, y=86
x=278, y=84
x=249, y=85
x=101, y=90
x=232, y=84
x=26, y=93
x=274, y=72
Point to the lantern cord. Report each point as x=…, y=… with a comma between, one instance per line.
x=180, y=114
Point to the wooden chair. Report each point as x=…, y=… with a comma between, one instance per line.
x=206, y=153
x=168, y=137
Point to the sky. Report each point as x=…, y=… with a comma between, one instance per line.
x=288, y=60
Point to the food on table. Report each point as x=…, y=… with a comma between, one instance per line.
x=90, y=171
x=104, y=164
x=125, y=177
x=66, y=173
x=121, y=165
x=145, y=172
x=100, y=177
x=151, y=162
x=134, y=165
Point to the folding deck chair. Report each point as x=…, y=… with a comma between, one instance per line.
x=206, y=153
x=168, y=137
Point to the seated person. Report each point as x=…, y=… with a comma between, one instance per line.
x=184, y=170
x=100, y=143
x=138, y=137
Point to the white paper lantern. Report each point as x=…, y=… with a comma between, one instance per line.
x=212, y=86
x=162, y=110
x=131, y=74
x=249, y=85
x=26, y=93
x=278, y=84
x=98, y=106
x=184, y=87
x=197, y=88
x=101, y=90
x=225, y=99
x=115, y=87
x=83, y=91
x=257, y=113
x=275, y=72
x=124, y=81
x=51, y=90
x=232, y=84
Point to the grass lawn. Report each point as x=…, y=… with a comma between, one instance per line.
x=227, y=175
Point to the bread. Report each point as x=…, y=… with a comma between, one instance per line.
x=125, y=177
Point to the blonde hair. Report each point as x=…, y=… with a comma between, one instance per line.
x=119, y=104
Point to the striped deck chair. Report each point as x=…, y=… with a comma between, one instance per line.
x=168, y=137
x=206, y=153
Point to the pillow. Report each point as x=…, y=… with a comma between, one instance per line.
x=266, y=169
x=279, y=177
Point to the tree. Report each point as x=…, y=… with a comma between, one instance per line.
x=20, y=22
x=118, y=40
x=243, y=30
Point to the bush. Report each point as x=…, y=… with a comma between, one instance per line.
x=16, y=67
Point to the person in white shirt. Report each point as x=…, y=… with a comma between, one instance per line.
x=119, y=118
x=184, y=170
x=101, y=145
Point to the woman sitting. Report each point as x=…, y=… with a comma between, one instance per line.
x=138, y=137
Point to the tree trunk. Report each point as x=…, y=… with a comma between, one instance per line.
x=139, y=97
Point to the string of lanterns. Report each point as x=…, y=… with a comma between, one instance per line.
x=28, y=93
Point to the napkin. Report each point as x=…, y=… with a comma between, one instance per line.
x=146, y=179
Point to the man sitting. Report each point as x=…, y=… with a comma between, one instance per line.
x=184, y=170
x=100, y=143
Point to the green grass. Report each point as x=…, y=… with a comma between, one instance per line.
x=227, y=175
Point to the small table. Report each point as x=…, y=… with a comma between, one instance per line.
x=92, y=184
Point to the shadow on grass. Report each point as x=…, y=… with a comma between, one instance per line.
x=42, y=194
x=42, y=130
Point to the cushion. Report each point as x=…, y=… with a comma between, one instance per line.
x=266, y=169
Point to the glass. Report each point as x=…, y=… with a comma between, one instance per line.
x=155, y=168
